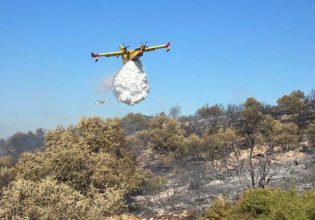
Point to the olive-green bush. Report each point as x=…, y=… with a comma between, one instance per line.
x=165, y=134
x=89, y=161
x=26, y=199
x=266, y=204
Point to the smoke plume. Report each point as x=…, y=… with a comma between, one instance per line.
x=106, y=84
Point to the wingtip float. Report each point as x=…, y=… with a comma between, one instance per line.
x=131, y=54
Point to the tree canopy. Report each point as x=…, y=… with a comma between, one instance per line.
x=292, y=103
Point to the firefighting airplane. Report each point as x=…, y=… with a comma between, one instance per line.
x=101, y=101
x=131, y=54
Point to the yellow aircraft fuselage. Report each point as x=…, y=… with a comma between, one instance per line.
x=131, y=54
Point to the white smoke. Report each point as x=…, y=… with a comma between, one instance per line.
x=106, y=84
x=130, y=84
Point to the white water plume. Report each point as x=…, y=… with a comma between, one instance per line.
x=130, y=84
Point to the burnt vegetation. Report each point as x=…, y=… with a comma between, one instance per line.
x=223, y=162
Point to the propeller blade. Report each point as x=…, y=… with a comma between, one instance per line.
x=144, y=44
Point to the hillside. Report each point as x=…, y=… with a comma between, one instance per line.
x=166, y=166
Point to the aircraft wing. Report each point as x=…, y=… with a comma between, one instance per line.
x=109, y=54
x=167, y=46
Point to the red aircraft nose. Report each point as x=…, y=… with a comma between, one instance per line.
x=168, y=44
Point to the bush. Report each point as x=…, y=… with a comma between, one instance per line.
x=193, y=145
x=91, y=159
x=292, y=103
x=91, y=153
x=218, y=209
x=207, y=111
x=48, y=199
x=220, y=144
x=277, y=204
x=268, y=204
x=287, y=135
x=70, y=165
x=134, y=122
x=165, y=134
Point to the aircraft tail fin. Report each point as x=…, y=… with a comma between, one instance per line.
x=93, y=55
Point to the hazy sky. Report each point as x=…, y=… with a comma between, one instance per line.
x=222, y=52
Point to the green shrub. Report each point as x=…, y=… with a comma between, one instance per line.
x=165, y=134
x=276, y=204
x=218, y=209
x=267, y=204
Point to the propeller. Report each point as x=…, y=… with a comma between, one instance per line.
x=124, y=46
x=145, y=44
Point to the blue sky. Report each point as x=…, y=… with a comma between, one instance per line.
x=222, y=52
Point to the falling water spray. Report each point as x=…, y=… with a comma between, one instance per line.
x=130, y=84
